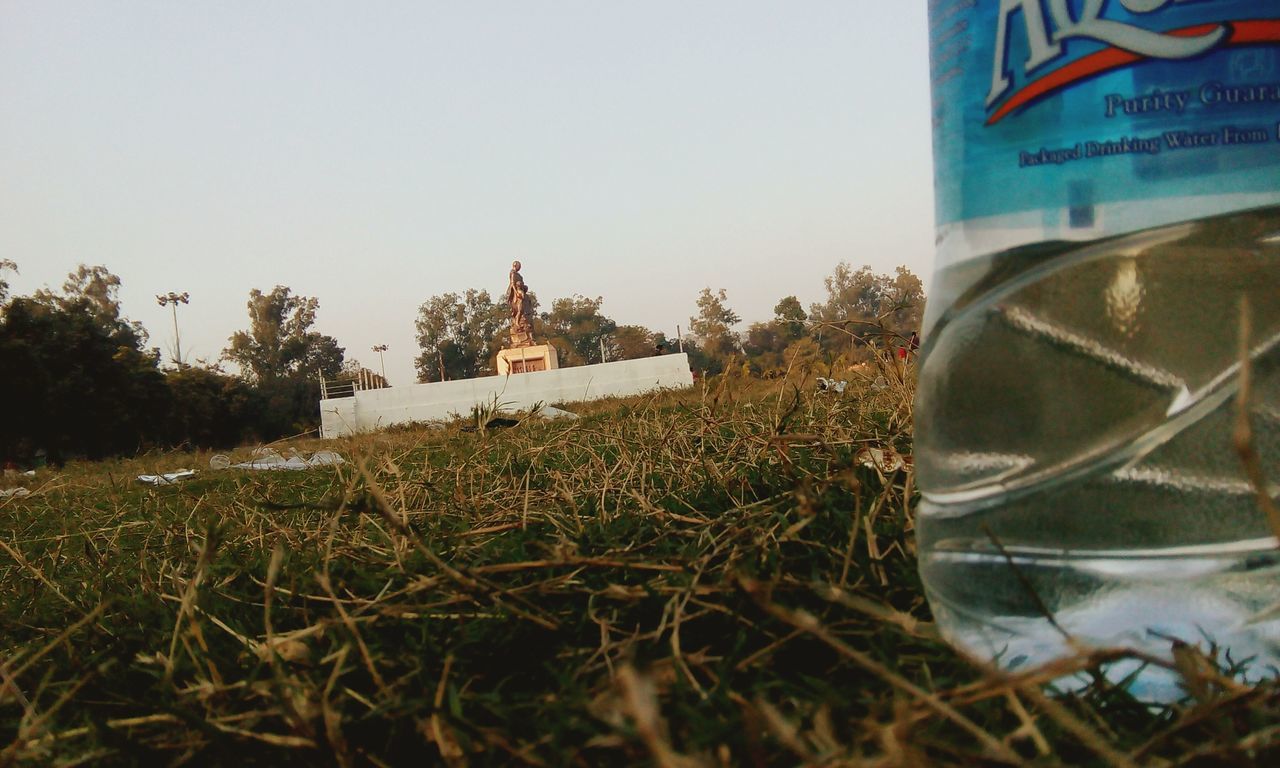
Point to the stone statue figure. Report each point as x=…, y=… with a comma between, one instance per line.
x=521, y=309
x=513, y=277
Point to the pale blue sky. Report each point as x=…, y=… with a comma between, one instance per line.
x=374, y=154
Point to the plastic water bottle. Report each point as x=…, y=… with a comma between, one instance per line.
x=1108, y=191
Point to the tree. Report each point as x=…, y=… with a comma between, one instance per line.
x=98, y=287
x=803, y=357
x=789, y=318
x=863, y=306
x=766, y=342
x=459, y=335
x=575, y=326
x=712, y=328
x=282, y=356
x=95, y=290
x=630, y=342
x=280, y=343
x=5, y=265
x=699, y=361
x=209, y=409
x=764, y=345
x=78, y=368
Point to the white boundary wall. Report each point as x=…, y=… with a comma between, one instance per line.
x=374, y=409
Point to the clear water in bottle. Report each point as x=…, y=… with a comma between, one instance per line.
x=1108, y=194
x=1080, y=403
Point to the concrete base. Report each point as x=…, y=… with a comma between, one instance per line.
x=538, y=357
x=377, y=408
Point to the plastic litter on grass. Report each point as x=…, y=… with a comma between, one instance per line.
x=170, y=478
x=831, y=385
x=552, y=412
x=271, y=460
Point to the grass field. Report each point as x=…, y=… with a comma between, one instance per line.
x=709, y=578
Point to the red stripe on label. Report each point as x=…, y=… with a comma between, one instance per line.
x=1250, y=32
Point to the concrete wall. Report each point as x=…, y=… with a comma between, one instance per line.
x=377, y=408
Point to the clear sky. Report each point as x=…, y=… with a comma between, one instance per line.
x=374, y=154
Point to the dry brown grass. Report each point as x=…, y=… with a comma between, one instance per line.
x=709, y=578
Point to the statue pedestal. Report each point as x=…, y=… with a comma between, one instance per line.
x=539, y=357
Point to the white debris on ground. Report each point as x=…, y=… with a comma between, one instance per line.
x=14, y=493
x=831, y=385
x=262, y=459
x=552, y=412
x=168, y=478
x=885, y=460
x=271, y=460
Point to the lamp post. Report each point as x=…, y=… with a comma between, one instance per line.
x=174, y=299
x=380, y=349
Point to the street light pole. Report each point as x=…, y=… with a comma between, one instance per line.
x=175, y=299
x=380, y=349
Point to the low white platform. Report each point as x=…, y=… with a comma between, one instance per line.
x=539, y=357
x=377, y=408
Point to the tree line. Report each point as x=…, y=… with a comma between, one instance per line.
x=81, y=381
x=459, y=335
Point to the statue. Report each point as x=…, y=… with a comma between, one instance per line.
x=521, y=309
x=523, y=356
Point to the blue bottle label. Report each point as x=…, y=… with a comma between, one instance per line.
x=1078, y=119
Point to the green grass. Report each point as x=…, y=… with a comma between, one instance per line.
x=711, y=578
